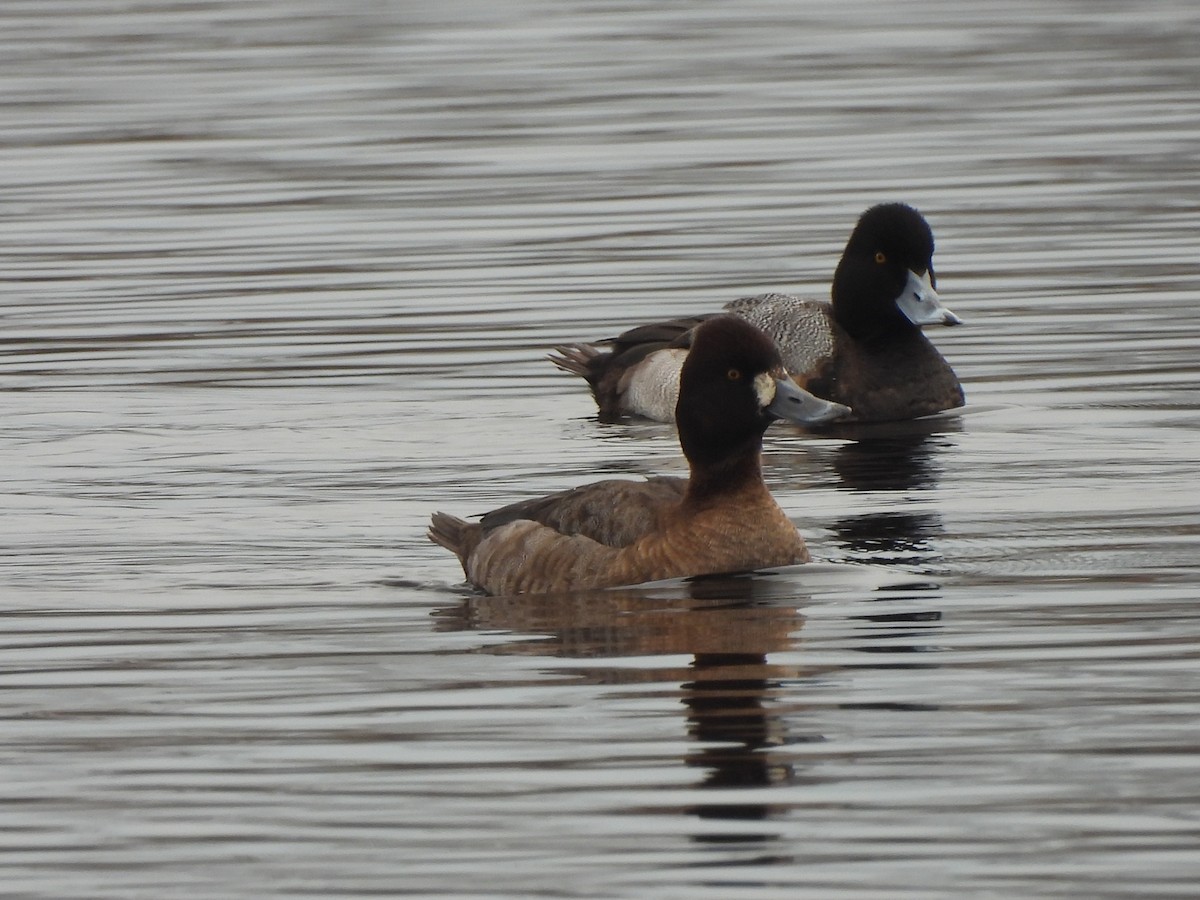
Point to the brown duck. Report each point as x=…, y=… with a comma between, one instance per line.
x=721, y=518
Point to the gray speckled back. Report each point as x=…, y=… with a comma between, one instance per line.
x=803, y=329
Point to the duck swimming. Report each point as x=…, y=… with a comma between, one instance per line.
x=722, y=518
x=863, y=349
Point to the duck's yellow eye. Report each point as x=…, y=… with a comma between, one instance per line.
x=880, y=257
x=733, y=374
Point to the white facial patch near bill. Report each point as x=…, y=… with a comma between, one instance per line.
x=764, y=389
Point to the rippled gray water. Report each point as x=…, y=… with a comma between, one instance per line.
x=277, y=281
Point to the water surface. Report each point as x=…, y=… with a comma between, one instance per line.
x=278, y=281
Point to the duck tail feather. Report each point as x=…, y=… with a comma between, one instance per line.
x=575, y=359
x=450, y=532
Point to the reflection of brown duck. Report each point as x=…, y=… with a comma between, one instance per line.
x=717, y=615
x=730, y=718
x=740, y=709
x=727, y=624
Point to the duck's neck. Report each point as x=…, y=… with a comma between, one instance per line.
x=872, y=328
x=716, y=480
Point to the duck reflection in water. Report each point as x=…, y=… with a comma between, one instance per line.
x=736, y=614
x=730, y=717
x=740, y=709
x=730, y=695
x=733, y=700
x=898, y=461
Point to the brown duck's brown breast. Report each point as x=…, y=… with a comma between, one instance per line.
x=727, y=538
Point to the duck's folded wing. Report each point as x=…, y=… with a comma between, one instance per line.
x=525, y=557
x=648, y=338
x=615, y=512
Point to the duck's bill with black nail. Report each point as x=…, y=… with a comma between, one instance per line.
x=920, y=302
x=783, y=399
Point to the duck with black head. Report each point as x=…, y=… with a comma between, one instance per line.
x=864, y=348
x=722, y=518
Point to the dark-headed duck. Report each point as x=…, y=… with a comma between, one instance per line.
x=721, y=518
x=865, y=349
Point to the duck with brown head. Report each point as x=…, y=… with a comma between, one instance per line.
x=722, y=518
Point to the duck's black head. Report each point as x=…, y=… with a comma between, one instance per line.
x=885, y=281
x=729, y=391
